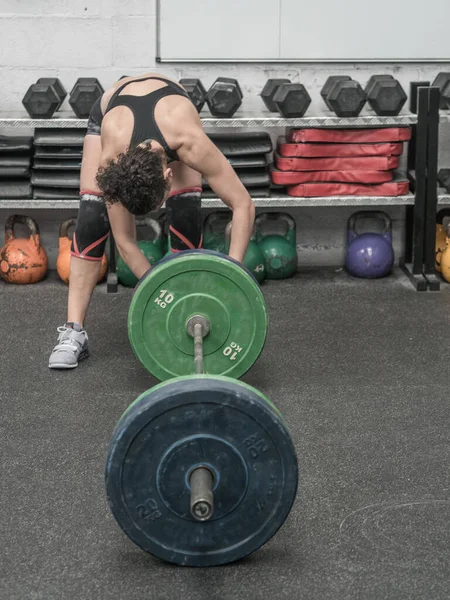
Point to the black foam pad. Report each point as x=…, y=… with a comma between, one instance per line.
x=238, y=144
x=59, y=137
x=14, y=172
x=58, y=152
x=63, y=193
x=15, y=144
x=60, y=179
x=57, y=164
x=15, y=189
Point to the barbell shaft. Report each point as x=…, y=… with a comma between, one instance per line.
x=202, y=502
x=198, y=348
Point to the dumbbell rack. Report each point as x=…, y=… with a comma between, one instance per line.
x=417, y=170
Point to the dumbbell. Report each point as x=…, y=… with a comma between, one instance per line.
x=224, y=97
x=343, y=96
x=83, y=95
x=291, y=100
x=201, y=469
x=442, y=81
x=196, y=91
x=385, y=95
x=44, y=98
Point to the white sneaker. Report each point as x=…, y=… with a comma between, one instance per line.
x=71, y=348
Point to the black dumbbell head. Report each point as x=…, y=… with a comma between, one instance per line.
x=41, y=101
x=347, y=99
x=196, y=91
x=329, y=83
x=445, y=97
x=292, y=100
x=375, y=78
x=441, y=81
x=87, y=81
x=269, y=91
x=83, y=95
x=387, y=97
x=232, y=81
x=57, y=85
x=223, y=99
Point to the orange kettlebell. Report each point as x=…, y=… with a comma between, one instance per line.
x=445, y=257
x=441, y=237
x=63, y=260
x=22, y=260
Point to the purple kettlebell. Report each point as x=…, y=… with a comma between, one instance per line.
x=369, y=255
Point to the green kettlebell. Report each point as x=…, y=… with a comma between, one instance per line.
x=254, y=259
x=279, y=251
x=214, y=231
x=151, y=250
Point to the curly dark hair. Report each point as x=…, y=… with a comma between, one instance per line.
x=135, y=179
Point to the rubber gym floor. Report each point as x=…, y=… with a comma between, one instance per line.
x=360, y=371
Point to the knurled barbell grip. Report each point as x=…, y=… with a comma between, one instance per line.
x=198, y=327
x=198, y=348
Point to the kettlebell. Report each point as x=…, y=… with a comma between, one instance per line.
x=253, y=259
x=151, y=250
x=214, y=231
x=369, y=255
x=441, y=235
x=279, y=251
x=445, y=257
x=22, y=260
x=63, y=260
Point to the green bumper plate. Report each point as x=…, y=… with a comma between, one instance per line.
x=197, y=283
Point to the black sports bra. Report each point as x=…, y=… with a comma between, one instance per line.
x=143, y=109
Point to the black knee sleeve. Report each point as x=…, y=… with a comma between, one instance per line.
x=92, y=228
x=184, y=218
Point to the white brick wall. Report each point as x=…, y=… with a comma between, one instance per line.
x=109, y=38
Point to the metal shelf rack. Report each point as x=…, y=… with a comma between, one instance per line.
x=264, y=120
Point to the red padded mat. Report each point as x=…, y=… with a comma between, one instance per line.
x=309, y=190
x=338, y=150
x=294, y=177
x=369, y=163
x=350, y=136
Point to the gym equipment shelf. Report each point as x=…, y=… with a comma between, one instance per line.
x=444, y=116
x=244, y=119
x=414, y=202
x=443, y=198
x=274, y=201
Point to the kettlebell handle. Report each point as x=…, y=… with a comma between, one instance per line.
x=369, y=214
x=64, y=228
x=14, y=220
x=153, y=224
x=275, y=216
x=442, y=214
x=214, y=218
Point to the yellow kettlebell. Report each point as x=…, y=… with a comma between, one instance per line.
x=445, y=257
x=441, y=236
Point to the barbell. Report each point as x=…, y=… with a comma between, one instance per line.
x=201, y=469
